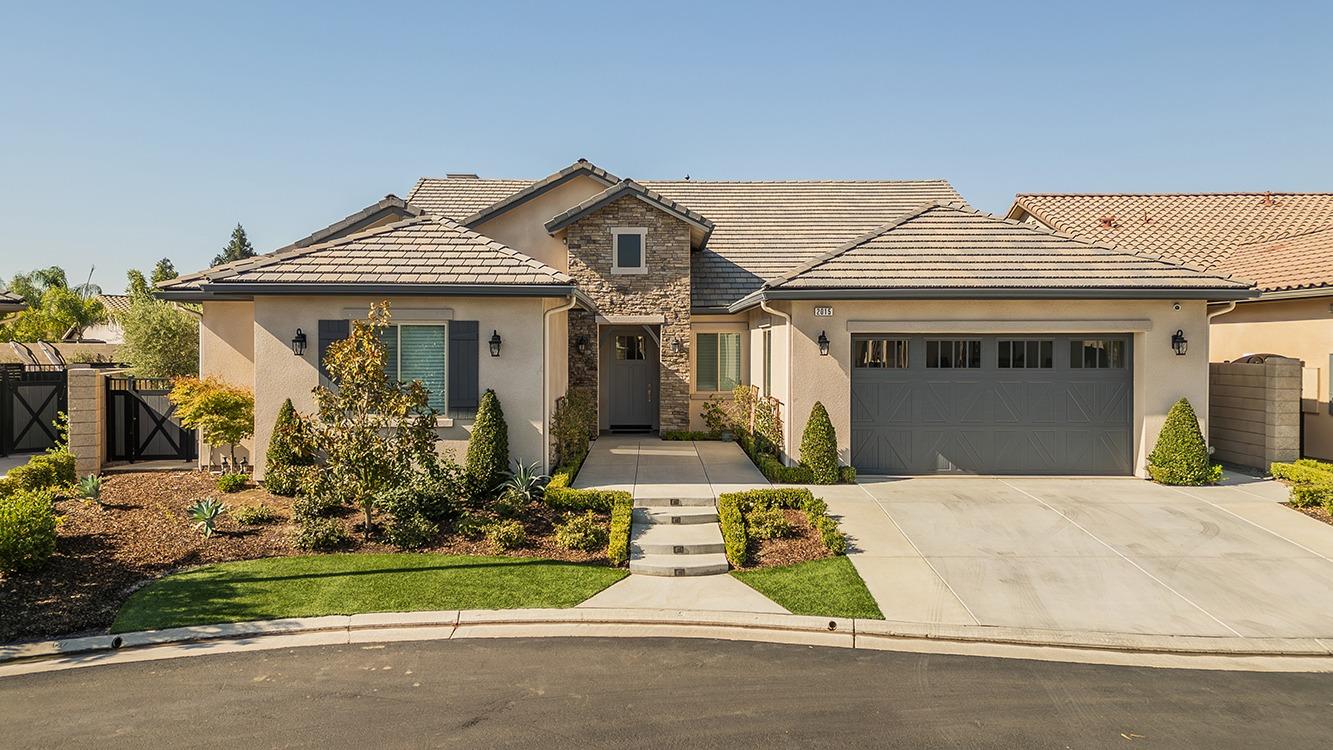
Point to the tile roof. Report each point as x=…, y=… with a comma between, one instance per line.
x=620, y=190
x=116, y=304
x=580, y=167
x=949, y=245
x=423, y=251
x=1302, y=261
x=762, y=228
x=10, y=302
x=1200, y=229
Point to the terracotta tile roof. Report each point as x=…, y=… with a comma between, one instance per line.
x=949, y=245
x=761, y=228
x=1200, y=229
x=1302, y=261
x=423, y=251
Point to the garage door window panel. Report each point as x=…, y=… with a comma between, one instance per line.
x=1097, y=354
x=1025, y=354
x=881, y=353
x=953, y=353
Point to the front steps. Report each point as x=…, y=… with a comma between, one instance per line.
x=676, y=537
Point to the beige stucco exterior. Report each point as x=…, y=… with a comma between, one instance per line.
x=227, y=352
x=1296, y=328
x=524, y=226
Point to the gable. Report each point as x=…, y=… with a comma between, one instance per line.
x=522, y=226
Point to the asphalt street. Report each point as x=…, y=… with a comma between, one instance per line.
x=617, y=693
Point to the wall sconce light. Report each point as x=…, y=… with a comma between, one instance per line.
x=1179, y=343
x=676, y=345
x=581, y=344
x=495, y=343
x=823, y=344
x=298, y=343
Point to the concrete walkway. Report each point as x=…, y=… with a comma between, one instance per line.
x=648, y=467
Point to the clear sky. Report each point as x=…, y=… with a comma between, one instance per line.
x=133, y=131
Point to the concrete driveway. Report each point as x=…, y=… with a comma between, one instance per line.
x=1111, y=555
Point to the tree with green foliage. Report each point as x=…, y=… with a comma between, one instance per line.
x=1181, y=454
x=819, y=447
x=373, y=430
x=224, y=414
x=164, y=270
x=54, y=308
x=237, y=248
x=291, y=446
x=136, y=286
x=488, y=445
x=161, y=339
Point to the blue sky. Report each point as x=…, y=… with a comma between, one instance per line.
x=133, y=131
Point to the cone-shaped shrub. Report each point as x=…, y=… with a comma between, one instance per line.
x=819, y=447
x=488, y=445
x=290, y=446
x=1181, y=455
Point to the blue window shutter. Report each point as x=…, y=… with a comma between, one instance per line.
x=329, y=332
x=464, y=385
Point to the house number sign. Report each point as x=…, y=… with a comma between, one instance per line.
x=823, y=312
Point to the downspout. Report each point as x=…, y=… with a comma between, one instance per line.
x=546, y=381
x=791, y=341
x=1230, y=306
x=1208, y=407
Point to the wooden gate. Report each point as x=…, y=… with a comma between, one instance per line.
x=140, y=423
x=31, y=397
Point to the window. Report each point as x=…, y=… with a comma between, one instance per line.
x=1097, y=354
x=890, y=353
x=951, y=353
x=717, y=361
x=417, y=352
x=1029, y=354
x=768, y=362
x=629, y=347
x=627, y=247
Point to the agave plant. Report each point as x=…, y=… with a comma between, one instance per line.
x=90, y=488
x=205, y=514
x=524, y=483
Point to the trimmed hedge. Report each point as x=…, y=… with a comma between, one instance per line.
x=1304, y=471
x=779, y=473
x=622, y=517
x=53, y=470
x=1180, y=456
x=690, y=435
x=1310, y=495
x=732, y=520
x=488, y=445
x=564, y=475
x=577, y=501
x=819, y=447
x=734, y=509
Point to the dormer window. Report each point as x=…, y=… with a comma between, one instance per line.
x=627, y=250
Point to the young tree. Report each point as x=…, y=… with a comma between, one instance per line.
x=165, y=270
x=290, y=447
x=136, y=286
x=224, y=414
x=239, y=247
x=373, y=431
x=488, y=445
x=161, y=340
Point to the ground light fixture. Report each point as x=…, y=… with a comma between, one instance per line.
x=823, y=344
x=298, y=343
x=495, y=343
x=1179, y=343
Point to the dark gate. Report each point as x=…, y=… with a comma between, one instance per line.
x=140, y=424
x=31, y=397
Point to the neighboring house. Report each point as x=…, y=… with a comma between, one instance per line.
x=10, y=303
x=110, y=331
x=939, y=338
x=1281, y=241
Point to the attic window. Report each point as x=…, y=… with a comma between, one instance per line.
x=627, y=250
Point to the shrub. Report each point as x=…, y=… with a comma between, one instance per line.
x=224, y=414
x=471, y=526
x=321, y=535
x=160, y=339
x=52, y=470
x=586, y=532
x=27, y=530
x=90, y=488
x=573, y=424
x=622, y=515
x=1301, y=472
x=568, y=500
x=715, y=416
x=254, y=515
x=1312, y=494
x=507, y=535
x=819, y=447
x=832, y=537
x=1181, y=455
x=488, y=445
x=290, y=446
x=232, y=481
x=309, y=507
x=565, y=475
x=768, y=522
x=523, y=484
x=205, y=514
x=690, y=435
x=733, y=527
x=411, y=531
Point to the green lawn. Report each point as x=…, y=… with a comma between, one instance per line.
x=351, y=584
x=829, y=588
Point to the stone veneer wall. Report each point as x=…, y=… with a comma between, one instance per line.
x=664, y=290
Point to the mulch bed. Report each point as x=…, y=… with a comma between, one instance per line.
x=143, y=532
x=803, y=546
x=1316, y=512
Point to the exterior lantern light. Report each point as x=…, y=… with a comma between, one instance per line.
x=823, y=344
x=495, y=343
x=298, y=343
x=581, y=344
x=1179, y=343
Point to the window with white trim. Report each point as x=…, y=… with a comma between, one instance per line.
x=419, y=352
x=717, y=361
x=628, y=250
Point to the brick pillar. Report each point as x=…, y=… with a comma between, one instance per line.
x=1282, y=413
x=87, y=419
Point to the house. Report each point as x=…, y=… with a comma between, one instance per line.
x=939, y=338
x=110, y=331
x=1281, y=241
x=10, y=303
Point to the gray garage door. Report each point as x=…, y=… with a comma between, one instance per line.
x=1029, y=404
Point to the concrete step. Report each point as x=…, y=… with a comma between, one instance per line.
x=678, y=540
x=674, y=515
x=679, y=565
x=674, y=502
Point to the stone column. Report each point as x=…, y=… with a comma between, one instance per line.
x=1282, y=415
x=87, y=419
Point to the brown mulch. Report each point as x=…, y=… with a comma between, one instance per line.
x=1319, y=513
x=803, y=546
x=103, y=554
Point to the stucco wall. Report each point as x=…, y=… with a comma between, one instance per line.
x=227, y=352
x=1160, y=376
x=1300, y=329
x=524, y=227
x=232, y=350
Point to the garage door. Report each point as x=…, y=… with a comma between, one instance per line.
x=991, y=404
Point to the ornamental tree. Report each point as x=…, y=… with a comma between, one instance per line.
x=224, y=414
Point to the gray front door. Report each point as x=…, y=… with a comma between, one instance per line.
x=633, y=380
x=1020, y=404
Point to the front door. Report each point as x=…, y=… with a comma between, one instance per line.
x=633, y=376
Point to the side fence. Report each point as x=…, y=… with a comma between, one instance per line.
x=1254, y=411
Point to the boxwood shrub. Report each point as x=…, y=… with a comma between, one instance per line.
x=795, y=498
x=52, y=470
x=1181, y=454
x=1313, y=494
x=622, y=516
x=27, y=530
x=488, y=445
x=732, y=520
x=819, y=447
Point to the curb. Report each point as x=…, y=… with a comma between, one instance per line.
x=639, y=623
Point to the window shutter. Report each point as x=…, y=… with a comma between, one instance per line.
x=464, y=384
x=329, y=332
